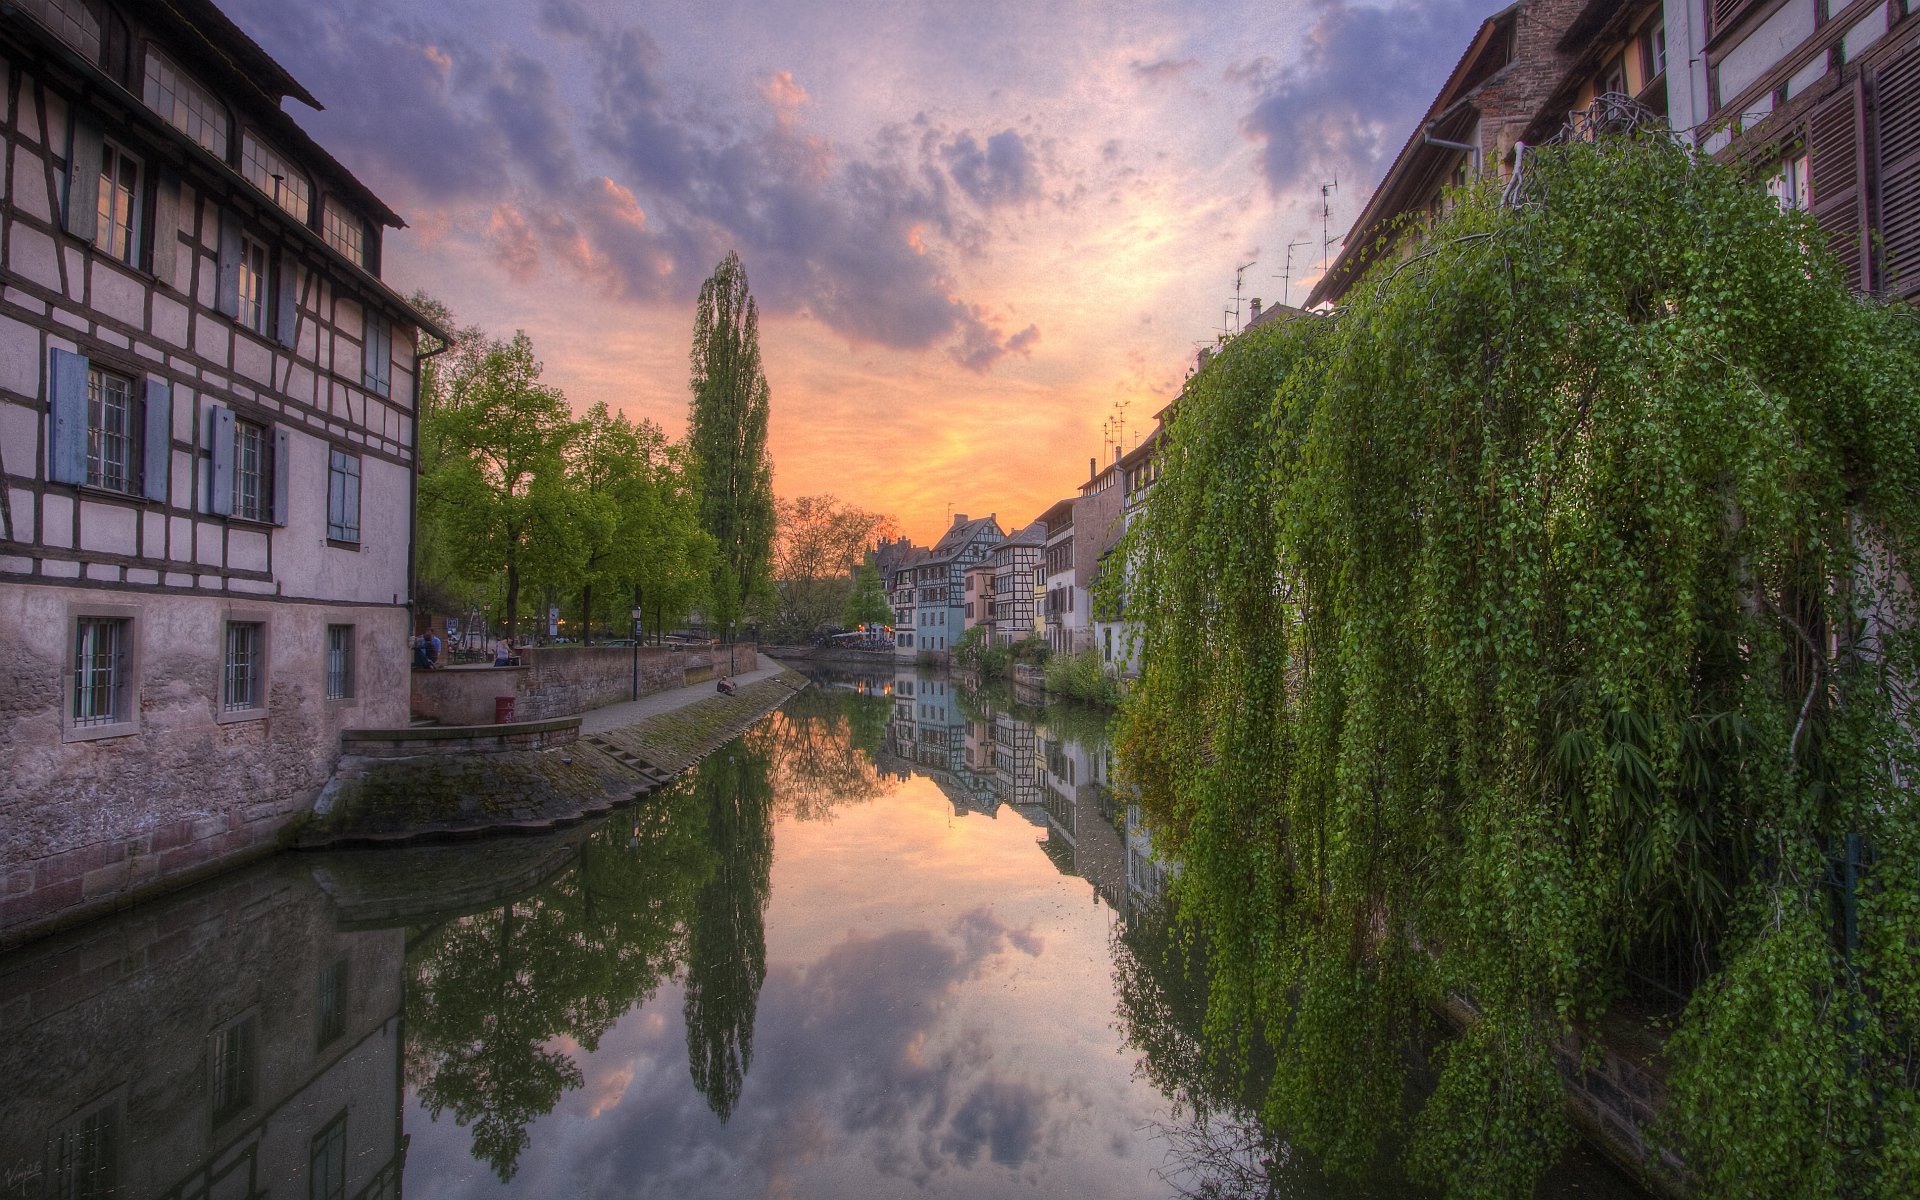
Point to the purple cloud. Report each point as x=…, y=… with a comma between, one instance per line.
x=1367, y=76
x=1002, y=173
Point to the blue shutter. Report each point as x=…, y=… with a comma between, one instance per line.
x=220, y=443
x=83, y=177
x=166, y=224
x=282, y=467
x=157, y=472
x=226, y=297
x=286, y=313
x=66, y=417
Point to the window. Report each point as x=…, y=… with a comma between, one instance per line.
x=74, y=22
x=376, y=355
x=265, y=169
x=231, y=1066
x=345, y=232
x=327, y=1162
x=242, y=691
x=252, y=311
x=1788, y=186
x=331, y=1011
x=100, y=672
x=251, y=463
x=339, y=662
x=82, y=1157
x=343, y=496
x=184, y=104
x=1656, y=49
x=117, y=231
x=113, y=432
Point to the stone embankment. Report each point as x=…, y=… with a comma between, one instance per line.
x=423, y=785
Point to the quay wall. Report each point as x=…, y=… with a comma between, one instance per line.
x=564, y=681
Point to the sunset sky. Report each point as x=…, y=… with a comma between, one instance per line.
x=971, y=228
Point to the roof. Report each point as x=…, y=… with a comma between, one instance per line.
x=1059, y=518
x=1475, y=67
x=1033, y=534
x=203, y=20
x=957, y=537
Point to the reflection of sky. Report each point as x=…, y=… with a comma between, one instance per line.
x=937, y=1019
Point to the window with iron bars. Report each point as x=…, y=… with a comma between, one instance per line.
x=252, y=494
x=245, y=642
x=99, y=672
x=339, y=662
x=113, y=432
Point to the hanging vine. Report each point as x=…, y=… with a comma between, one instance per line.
x=1537, y=620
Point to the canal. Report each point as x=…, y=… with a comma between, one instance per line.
x=899, y=939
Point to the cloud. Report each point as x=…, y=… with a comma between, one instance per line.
x=1162, y=70
x=1002, y=173
x=981, y=345
x=565, y=17
x=1313, y=118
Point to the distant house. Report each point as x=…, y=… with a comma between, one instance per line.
x=1064, y=614
x=1019, y=579
x=930, y=587
x=207, y=432
x=977, y=603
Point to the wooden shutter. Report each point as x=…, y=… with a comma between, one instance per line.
x=220, y=446
x=286, y=311
x=226, y=297
x=83, y=175
x=1838, y=178
x=157, y=449
x=1723, y=14
x=166, y=224
x=66, y=417
x=1897, y=124
x=282, y=470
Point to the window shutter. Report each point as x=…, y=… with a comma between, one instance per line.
x=66, y=417
x=157, y=470
x=286, y=313
x=166, y=224
x=220, y=444
x=282, y=468
x=83, y=176
x=1837, y=170
x=226, y=298
x=1724, y=13
x=1897, y=121
x=376, y=354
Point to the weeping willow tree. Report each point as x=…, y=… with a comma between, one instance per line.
x=1539, y=619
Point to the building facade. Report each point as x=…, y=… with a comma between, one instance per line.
x=1019, y=579
x=928, y=588
x=207, y=402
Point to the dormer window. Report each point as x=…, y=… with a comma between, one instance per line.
x=75, y=22
x=184, y=104
x=346, y=232
x=267, y=170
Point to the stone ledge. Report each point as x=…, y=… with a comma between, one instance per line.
x=460, y=739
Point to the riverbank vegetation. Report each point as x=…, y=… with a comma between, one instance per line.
x=1535, y=626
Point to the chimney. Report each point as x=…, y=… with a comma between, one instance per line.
x=1256, y=308
x=1093, y=467
x=959, y=519
x=1205, y=354
x=1116, y=452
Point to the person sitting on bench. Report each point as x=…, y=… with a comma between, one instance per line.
x=725, y=686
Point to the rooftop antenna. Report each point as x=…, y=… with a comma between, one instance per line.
x=1239, y=274
x=1326, y=212
x=1286, y=273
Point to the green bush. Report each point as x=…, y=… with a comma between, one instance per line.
x=1082, y=676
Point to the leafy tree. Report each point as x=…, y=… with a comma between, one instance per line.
x=496, y=487
x=819, y=545
x=867, y=602
x=727, y=432
x=1537, y=620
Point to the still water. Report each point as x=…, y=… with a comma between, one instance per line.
x=897, y=940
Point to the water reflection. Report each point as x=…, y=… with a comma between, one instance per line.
x=881, y=943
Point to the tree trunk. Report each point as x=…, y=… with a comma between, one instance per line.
x=586, y=614
x=513, y=601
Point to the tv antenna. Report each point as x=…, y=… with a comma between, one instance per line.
x=1286, y=273
x=1326, y=213
x=1239, y=274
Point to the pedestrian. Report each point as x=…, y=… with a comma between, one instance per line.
x=501, y=653
x=725, y=686
x=420, y=649
x=433, y=649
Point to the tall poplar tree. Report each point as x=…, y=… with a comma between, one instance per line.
x=727, y=432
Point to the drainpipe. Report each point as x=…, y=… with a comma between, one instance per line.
x=1427, y=139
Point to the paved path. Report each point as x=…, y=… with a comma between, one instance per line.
x=629, y=712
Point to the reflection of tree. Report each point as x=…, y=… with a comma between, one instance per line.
x=490, y=993
x=1217, y=1145
x=821, y=746
x=726, y=934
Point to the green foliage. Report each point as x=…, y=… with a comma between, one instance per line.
x=1538, y=618
x=817, y=551
x=867, y=602
x=727, y=432
x=978, y=652
x=1082, y=676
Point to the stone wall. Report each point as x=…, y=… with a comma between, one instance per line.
x=90, y=816
x=562, y=681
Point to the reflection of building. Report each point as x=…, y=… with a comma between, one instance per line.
x=232, y=1041
x=932, y=736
